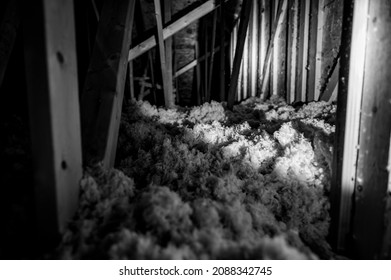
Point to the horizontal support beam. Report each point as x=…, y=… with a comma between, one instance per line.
x=174, y=27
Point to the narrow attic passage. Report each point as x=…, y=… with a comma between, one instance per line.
x=236, y=129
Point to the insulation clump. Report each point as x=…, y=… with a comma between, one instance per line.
x=207, y=183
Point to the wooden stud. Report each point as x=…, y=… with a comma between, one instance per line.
x=301, y=80
x=169, y=49
x=315, y=49
x=101, y=102
x=375, y=127
x=254, y=49
x=277, y=25
x=293, y=18
x=319, y=49
x=331, y=83
x=348, y=124
x=8, y=28
x=264, y=38
x=51, y=71
x=222, y=52
x=244, y=20
x=174, y=27
x=208, y=96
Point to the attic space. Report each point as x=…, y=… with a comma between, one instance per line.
x=197, y=129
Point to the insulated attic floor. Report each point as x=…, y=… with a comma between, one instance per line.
x=208, y=183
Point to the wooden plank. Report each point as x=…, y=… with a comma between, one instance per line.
x=101, y=102
x=301, y=81
x=254, y=48
x=315, y=49
x=244, y=20
x=319, y=49
x=222, y=52
x=169, y=50
x=174, y=27
x=167, y=89
x=51, y=71
x=331, y=84
x=211, y=64
x=293, y=18
x=277, y=25
x=375, y=127
x=348, y=125
x=264, y=38
x=194, y=63
x=8, y=27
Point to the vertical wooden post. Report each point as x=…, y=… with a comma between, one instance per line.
x=293, y=7
x=315, y=49
x=319, y=49
x=167, y=89
x=244, y=20
x=264, y=38
x=168, y=47
x=371, y=190
x=222, y=52
x=101, y=102
x=212, y=49
x=8, y=28
x=51, y=71
x=301, y=85
x=254, y=48
x=277, y=25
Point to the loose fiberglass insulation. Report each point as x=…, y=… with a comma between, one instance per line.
x=209, y=183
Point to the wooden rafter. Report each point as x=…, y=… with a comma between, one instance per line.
x=174, y=27
x=243, y=26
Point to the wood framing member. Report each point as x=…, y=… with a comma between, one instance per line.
x=222, y=52
x=101, y=102
x=8, y=28
x=168, y=48
x=331, y=83
x=264, y=37
x=211, y=63
x=244, y=20
x=51, y=71
x=174, y=27
x=293, y=7
x=371, y=190
x=315, y=49
x=348, y=123
x=302, y=62
x=254, y=48
x=167, y=89
x=277, y=25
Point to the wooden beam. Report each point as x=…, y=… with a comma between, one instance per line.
x=264, y=39
x=348, y=123
x=293, y=20
x=101, y=102
x=331, y=83
x=371, y=189
x=244, y=20
x=167, y=84
x=211, y=64
x=222, y=52
x=8, y=27
x=277, y=25
x=302, y=71
x=169, y=50
x=51, y=71
x=174, y=27
x=254, y=48
x=315, y=49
